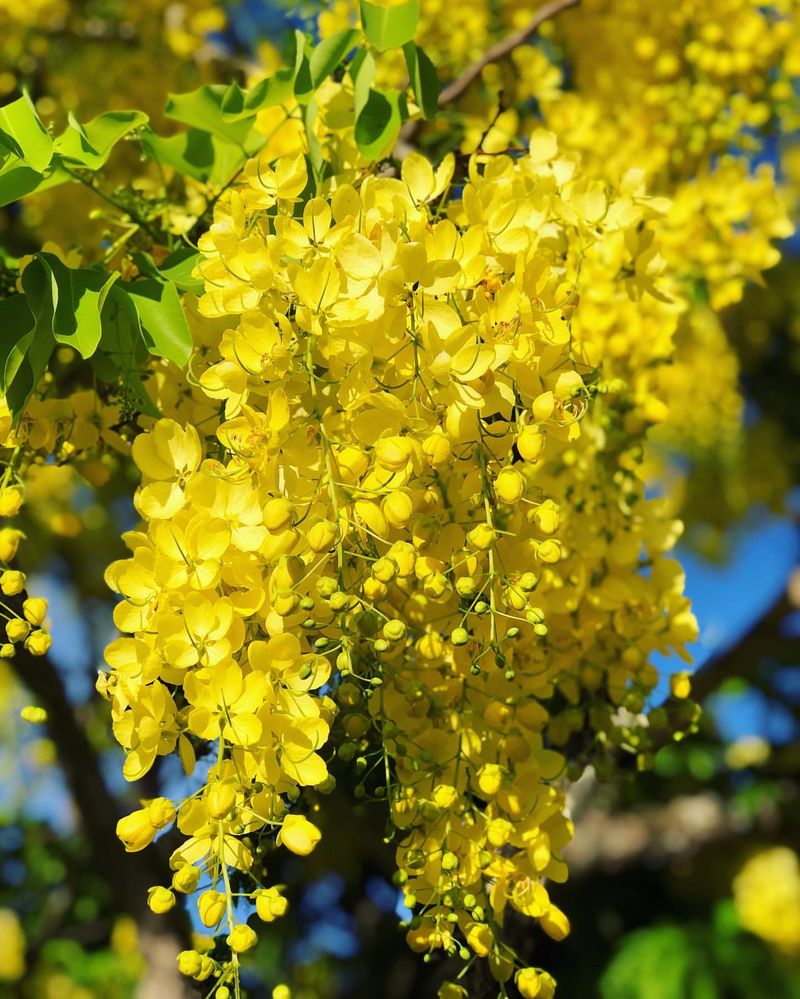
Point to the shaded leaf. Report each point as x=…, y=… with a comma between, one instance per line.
x=329, y=53
x=424, y=81
x=378, y=123
x=196, y=154
x=161, y=314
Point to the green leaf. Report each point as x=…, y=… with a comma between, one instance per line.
x=378, y=123
x=179, y=267
x=424, y=81
x=271, y=91
x=329, y=53
x=90, y=145
x=16, y=181
x=363, y=72
x=24, y=134
x=78, y=296
x=31, y=339
x=123, y=353
x=203, y=109
x=389, y=27
x=161, y=314
x=314, y=146
x=16, y=322
x=196, y=153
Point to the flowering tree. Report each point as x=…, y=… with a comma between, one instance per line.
x=396, y=366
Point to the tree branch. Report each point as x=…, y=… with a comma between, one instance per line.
x=502, y=48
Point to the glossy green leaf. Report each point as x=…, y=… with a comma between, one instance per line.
x=179, y=268
x=16, y=322
x=273, y=90
x=362, y=70
x=389, y=27
x=195, y=153
x=424, y=81
x=163, y=321
x=329, y=53
x=89, y=145
x=203, y=109
x=24, y=135
x=78, y=296
x=378, y=123
x=123, y=354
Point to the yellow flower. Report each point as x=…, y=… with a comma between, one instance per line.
x=299, y=835
x=241, y=938
x=160, y=900
x=34, y=609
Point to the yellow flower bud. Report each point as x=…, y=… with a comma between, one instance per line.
x=509, y=486
x=17, y=630
x=451, y=990
x=270, y=904
x=136, y=831
x=12, y=582
x=30, y=713
x=9, y=543
x=490, y=779
x=546, y=517
x=160, y=900
x=38, y=643
x=480, y=939
x=481, y=537
x=281, y=992
x=211, y=906
x=394, y=631
x=398, y=509
x=680, y=685
x=528, y=983
x=278, y=515
x=322, y=536
x=35, y=609
x=548, y=551
x=7, y=651
x=11, y=500
x=384, y=570
x=436, y=450
x=220, y=800
x=190, y=963
x=298, y=835
x=186, y=879
x=161, y=812
x=241, y=938
x=393, y=453
x=374, y=589
x=530, y=444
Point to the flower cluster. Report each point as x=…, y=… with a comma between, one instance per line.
x=421, y=480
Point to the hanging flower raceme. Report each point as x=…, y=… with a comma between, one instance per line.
x=382, y=555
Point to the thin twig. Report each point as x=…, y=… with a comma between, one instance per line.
x=502, y=48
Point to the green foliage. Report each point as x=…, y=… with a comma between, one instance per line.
x=697, y=961
x=424, y=81
x=389, y=27
x=34, y=161
x=378, y=122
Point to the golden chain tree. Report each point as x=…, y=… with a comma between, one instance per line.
x=391, y=411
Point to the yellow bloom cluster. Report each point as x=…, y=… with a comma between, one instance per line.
x=422, y=479
x=766, y=893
